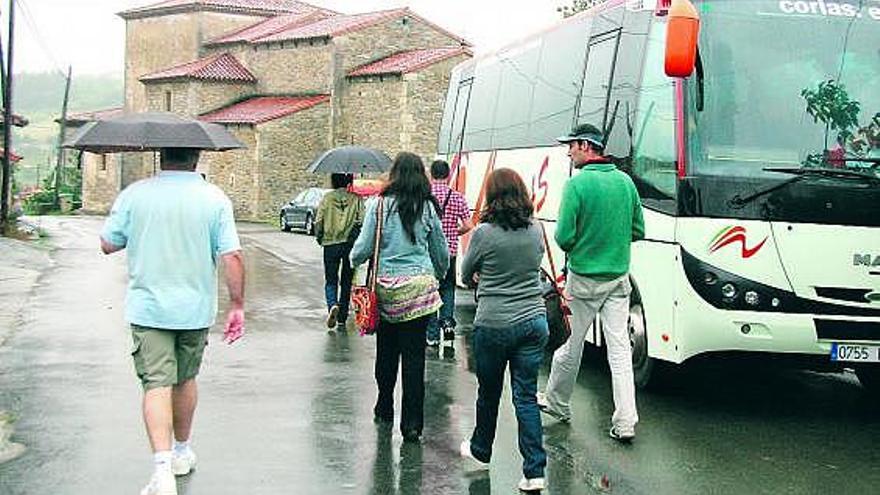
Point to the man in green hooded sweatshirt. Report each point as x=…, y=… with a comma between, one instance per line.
x=338, y=221
x=600, y=216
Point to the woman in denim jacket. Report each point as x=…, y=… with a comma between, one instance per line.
x=413, y=256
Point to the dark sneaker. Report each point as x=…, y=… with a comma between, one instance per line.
x=332, y=315
x=621, y=435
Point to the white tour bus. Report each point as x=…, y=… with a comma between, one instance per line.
x=762, y=223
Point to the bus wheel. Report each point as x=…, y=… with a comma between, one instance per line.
x=869, y=376
x=643, y=365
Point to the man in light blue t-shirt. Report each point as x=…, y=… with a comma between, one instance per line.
x=175, y=227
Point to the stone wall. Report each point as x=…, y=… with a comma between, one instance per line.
x=373, y=109
x=272, y=169
x=194, y=97
x=100, y=175
x=424, y=101
x=287, y=147
x=156, y=43
x=395, y=113
x=374, y=43
x=285, y=68
x=150, y=47
x=237, y=171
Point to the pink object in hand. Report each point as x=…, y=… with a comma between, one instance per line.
x=234, y=326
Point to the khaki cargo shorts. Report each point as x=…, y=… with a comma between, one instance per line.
x=164, y=358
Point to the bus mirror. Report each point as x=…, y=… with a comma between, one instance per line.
x=681, y=38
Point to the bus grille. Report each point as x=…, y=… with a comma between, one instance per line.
x=847, y=330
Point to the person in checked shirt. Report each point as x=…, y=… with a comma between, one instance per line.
x=455, y=215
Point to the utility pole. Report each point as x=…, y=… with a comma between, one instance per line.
x=7, y=123
x=59, y=167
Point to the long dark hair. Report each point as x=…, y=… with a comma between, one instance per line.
x=507, y=201
x=409, y=185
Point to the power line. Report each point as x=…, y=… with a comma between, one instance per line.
x=32, y=26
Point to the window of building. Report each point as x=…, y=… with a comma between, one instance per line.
x=102, y=163
x=168, y=101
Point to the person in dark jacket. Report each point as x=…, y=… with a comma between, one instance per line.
x=337, y=223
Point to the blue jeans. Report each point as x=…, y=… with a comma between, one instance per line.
x=447, y=311
x=334, y=256
x=522, y=346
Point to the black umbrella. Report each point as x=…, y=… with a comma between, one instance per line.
x=351, y=160
x=151, y=131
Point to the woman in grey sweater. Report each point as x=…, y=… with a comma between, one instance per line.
x=510, y=327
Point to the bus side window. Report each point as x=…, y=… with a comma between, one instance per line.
x=481, y=110
x=653, y=163
x=461, y=101
x=557, y=82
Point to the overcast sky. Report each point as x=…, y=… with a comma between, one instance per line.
x=50, y=34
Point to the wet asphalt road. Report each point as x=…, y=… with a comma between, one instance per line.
x=288, y=409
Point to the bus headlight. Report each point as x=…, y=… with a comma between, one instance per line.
x=728, y=291
x=710, y=278
x=752, y=298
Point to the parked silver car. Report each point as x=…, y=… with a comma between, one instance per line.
x=301, y=211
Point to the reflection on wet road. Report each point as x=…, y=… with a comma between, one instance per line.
x=289, y=409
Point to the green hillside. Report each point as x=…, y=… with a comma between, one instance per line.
x=38, y=97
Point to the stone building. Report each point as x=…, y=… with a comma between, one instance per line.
x=101, y=180
x=289, y=79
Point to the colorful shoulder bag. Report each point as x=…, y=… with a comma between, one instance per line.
x=363, y=298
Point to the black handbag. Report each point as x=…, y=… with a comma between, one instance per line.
x=558, y=311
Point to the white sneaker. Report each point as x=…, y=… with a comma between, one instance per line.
x=622, y=435
x=183, y=463
x=531, y=484
x=162, y=483
x=474, y=464
x=544, y=406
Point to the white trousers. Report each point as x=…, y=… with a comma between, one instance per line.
x=611, y=301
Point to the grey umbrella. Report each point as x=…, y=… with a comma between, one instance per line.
x=149, y=132
x=351, y=160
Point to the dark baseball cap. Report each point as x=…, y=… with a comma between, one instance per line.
x=585, y=132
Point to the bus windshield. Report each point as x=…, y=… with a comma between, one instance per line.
x=786, y=84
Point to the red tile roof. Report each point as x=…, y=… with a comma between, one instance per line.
x=83, y=117
x=339, y=25
x=268, y=27
x=260, y=109
x=256, y=7
x=410, y=61
x=223, y=67
x=334, y=26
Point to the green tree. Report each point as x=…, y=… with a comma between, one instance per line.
x=576, y=6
